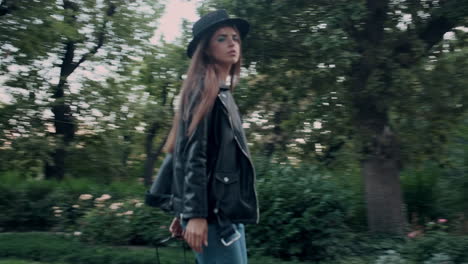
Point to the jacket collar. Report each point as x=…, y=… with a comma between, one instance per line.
x=223, y=87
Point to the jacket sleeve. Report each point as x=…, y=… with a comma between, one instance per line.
x=195, y=201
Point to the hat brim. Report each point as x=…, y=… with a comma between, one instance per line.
x=242, y=25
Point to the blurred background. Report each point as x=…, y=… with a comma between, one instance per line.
x=356, y=114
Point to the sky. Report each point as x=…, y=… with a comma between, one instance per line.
x=171, y=21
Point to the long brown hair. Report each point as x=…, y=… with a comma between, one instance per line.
x=202, y=69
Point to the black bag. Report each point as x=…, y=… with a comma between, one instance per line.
x=160, y=196
x=160, y=193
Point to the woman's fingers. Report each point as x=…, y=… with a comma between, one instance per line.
x=192, y=240
x=196, y=233
x=195, y=239
x=205, y=238
x=198, y=243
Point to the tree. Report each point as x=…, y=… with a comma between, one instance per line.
x=161, y=75
x=377, y=76
x=67, y=36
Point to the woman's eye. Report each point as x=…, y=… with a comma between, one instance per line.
x=221, y=39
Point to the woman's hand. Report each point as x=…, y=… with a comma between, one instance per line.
x=176, y=228
x=196, y=233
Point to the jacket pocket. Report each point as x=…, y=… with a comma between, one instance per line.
x=227, y=185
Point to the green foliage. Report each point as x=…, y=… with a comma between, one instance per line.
x=433, y=246
x=48, y=247
x=453, y=185
x=420, y=192
x=149, y=225
x=423, y=248
x=112, y=35
x=303, y=214
x=390, y=257
x=26, y=208
x=439, y=259
x=33, y=204
x=123, y=222
x=18, y=261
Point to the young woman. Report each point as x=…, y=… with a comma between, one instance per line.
x=213, y=187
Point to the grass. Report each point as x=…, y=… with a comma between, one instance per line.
x=47, y=248
x=20, y=261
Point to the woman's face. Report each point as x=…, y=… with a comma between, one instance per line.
x=224, y=46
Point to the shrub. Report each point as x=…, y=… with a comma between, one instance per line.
x=149, y=224
x=122, y=222
x=390, y=257
x=439, y=259
x=432, y=242
x=302, y=215
x=47, y=204
x=26, y=206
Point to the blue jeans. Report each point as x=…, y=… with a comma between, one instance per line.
x=217, y=253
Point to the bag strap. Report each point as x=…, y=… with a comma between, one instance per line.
x=159, y=243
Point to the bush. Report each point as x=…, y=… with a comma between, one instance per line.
x=390, y=257
x=302, y=215
x=439, y=259
x=47, y=204
x=149, y=224
x=122, y=222
x=424, y=247
x=26, y=206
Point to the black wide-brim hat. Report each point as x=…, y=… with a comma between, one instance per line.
x=211, y=21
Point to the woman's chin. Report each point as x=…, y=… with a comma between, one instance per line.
x=228, y=62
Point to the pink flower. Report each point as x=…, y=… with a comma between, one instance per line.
x=85, y=197
x=115, y=206
x=128, y=213
x=414, y=234
x=103, y=198
x=441, y=221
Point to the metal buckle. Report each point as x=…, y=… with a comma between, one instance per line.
x=233, y=239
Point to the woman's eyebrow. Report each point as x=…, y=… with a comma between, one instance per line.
x=225, y=35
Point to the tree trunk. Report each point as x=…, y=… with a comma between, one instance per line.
x=277, y=140
x=65, y=132
x=383, y=194
x=151, y=156
x=127, y=139
x=63, y=120
x=381, y=151
x=6, y=7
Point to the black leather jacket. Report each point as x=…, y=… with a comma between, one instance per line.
x=212, y=170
